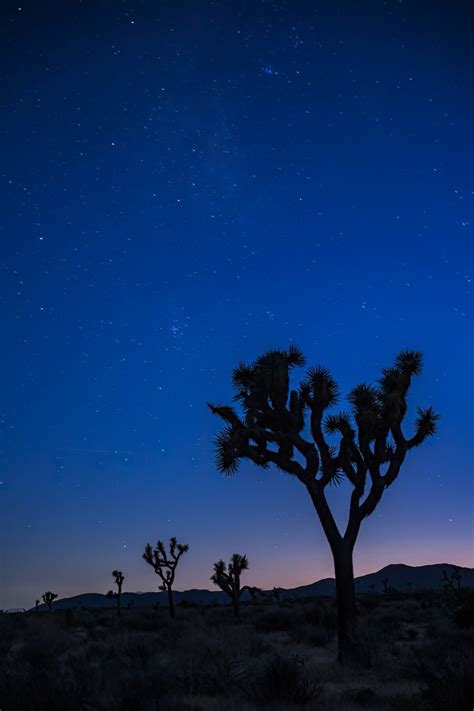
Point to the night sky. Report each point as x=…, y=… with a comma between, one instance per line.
x=185, y=185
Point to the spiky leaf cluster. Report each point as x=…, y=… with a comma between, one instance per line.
x=164, y=564
x=119, y=578
x=48, y=598
x=227, y=578
x=273, y=424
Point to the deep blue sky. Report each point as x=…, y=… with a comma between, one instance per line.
x=184, y=185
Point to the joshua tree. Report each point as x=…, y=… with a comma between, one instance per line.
x=119, y=578
x=290, y=429
x=276, y=595
x=164, y=565
x=453, y=580
x=48, y=598
x=37, y=602
x=385, y=585
x=228, y=579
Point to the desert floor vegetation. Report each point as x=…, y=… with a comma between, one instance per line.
x=411, y=653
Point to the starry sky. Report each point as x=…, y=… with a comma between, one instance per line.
x=185, y=185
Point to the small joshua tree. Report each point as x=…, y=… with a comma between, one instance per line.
x=165, y=565
x=48, y=598
x=37, y=602
x=228, y=579
x=453, y=580
x=291, y=429
x=276, y=595
x=119, y=578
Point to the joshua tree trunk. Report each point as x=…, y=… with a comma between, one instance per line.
x=170, y=602
x=342, y=549
x=345, y=600
x=235, y=602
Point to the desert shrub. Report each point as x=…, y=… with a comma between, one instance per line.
x=374, y=643
x=276, y=620
x=40, y=647
x=320, y=616
x=136, y=645
x=6, y=636
x=215, y=674
x=46, y=667
x=396, y=611
x=446, y=669
x=314, y=625
x=105, y=620
x=147, y=620
x=411, y=633
x=69, y=618
x=283, y=680
x=313, y=636
x=30, y=688
x=464, y=614
x=362, y=696
x=187, y=605
x=369, y=601
x=218, y=663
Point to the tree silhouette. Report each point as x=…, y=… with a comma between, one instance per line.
x=453, y=580
x=119, y=578
x=276, y=595
x=290, y=429
x=165, y=565
x=228, y=579
x=37, y=602
x=48, y=598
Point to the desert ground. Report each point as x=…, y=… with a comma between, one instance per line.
x=414, y=651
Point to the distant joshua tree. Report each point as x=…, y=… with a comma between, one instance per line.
x=385, y=585
x=165, y=565
x=37, y=602
x=289, y=429
x=119, y=578
x=48, y=598
x=228, y=579
x=453, y=580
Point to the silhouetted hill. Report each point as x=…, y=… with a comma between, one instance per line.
x=401, y=577
x=139, y=599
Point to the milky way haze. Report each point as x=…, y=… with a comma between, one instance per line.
x=185, y=185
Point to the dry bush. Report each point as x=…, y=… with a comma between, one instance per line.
x=310, y=623
x=278, y=619
x=445, y=667
x=218, y=663
x=283, y=681
x=464, y=614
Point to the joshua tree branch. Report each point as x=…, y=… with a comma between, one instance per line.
x=316, y=491
x=318, y=436
x=373, y=497
x=264, y=456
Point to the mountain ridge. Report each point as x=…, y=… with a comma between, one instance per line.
x=400, y=576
